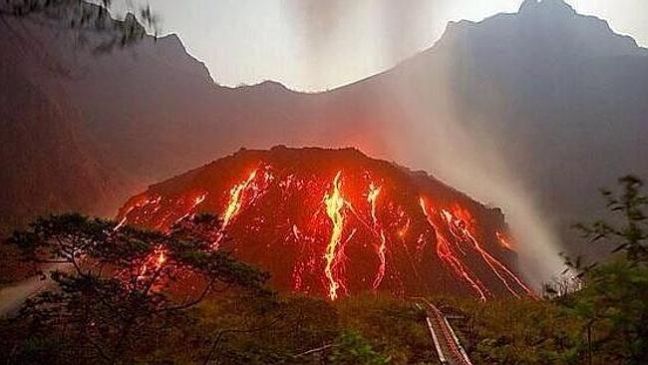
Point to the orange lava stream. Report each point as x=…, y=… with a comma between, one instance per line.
x=445, y=253
x=504, y=241
x=500, y=270
x=199, y=200
x=137, y=205
x=196, y=202
x=235, y=202
x=154, y=261
x=123, y=221
x=161, y=259
x=236, y=199
x=380, y=220
x=381, y=256
x=403, y=231
x=334, y=203
x=372, y=198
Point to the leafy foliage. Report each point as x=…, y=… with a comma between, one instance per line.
x=519, y=332
x=613, y=303
x=125, y=295
x=630, y=236
x=351, y=348
x=595, y=316
x=249, y=330
x=614, y=307
x=394, y=327
x=118, y=287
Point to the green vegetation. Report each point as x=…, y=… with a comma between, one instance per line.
x=123, y=295
x=112, y=298
x=598, y=319
x=114, y=304
x=613, y=303
x=517, y=331
x=394, y=327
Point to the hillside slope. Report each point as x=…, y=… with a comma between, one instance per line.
x=47, y=160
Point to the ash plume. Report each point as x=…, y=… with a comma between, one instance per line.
x=437, y=139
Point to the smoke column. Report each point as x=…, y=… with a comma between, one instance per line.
x=470, y=160
x=436, y=138
x=329, y=28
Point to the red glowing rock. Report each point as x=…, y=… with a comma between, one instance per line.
x=336, y=222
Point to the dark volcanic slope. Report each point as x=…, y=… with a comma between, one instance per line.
x=335, y=222
x=47, y=160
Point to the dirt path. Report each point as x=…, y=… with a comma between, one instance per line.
x=12, y=297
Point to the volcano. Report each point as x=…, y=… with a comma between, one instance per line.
x=336, y=222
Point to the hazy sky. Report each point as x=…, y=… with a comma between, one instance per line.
x=320, y=44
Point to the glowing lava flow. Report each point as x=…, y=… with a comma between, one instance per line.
x=372, y=198
x=504, y=241
x=334, y=204
x=196, y=202
x=122, y=222
x=381, y=255
x=236, y=199
x=154, y=261
x=403, y=231
x=495, y=265
x=332, y=223
x=137, y=205
x=160, y=259
x=233, y=207
x=445, y=253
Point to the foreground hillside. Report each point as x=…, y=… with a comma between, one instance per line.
x=124, y=295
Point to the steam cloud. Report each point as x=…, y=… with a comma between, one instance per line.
x=399, y=27
x=465, y=157
x=400, y=24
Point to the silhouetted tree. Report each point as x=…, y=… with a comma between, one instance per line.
x=614, y=299
x=631, y=235
x=120, y=290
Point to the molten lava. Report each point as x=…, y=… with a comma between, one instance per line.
x=444, y=251
x=334, y=204
x=461, y=229
x=504, y=241
x=236, y=199
x=372, y=198
x=335, y=222
x=152, y=263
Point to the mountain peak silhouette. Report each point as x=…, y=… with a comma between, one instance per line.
x=529, y=6
x=547, y=28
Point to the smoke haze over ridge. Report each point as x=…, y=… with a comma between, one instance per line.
x=468, y=157
x=362, y=44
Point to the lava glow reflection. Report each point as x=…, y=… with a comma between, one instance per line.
x=236, y=199
x=334, y=204
x=372, y=198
